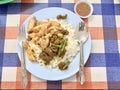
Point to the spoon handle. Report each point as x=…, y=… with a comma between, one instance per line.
x=81, y=69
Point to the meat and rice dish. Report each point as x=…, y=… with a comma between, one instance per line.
x=51, y=42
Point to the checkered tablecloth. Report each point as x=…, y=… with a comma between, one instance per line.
x=102, y=69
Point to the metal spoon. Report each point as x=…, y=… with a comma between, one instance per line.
x=81, y=34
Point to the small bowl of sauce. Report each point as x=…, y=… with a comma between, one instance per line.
x=83, y=8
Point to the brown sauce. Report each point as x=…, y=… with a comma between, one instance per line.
x=83, y=9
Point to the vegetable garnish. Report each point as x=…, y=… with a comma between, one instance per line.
x=62, y=47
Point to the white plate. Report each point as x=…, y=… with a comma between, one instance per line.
x=54, y=74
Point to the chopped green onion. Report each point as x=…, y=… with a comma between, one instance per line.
x=59, y=52
x=62, y=46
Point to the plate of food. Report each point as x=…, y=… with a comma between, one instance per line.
x=51, y=49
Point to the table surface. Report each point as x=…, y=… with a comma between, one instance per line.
x=102, y=69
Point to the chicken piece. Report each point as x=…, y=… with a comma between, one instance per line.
x=26, y=46
x=29, y=38
x=32, y=35
x=34, y=40
x=31, y=23
x=41, y=26
x=51, y=28
x=38, y=22
x=55, y=28
x=31, y=57
x=45, y=26
x=41, y=22
x=36, y=28
x=52, y=32
x=29, y=52
x=40, y=33
x=44, y=42
x=54, y=23
x=43, y=30
x=49, y=35
x=30, y=31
